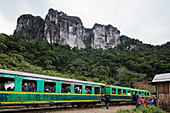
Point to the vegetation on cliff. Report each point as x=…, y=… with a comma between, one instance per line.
x=129, y=62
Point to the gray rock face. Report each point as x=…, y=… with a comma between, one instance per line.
x=60, y=28
x=30, y=26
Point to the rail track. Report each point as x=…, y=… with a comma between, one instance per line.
x=47, y=108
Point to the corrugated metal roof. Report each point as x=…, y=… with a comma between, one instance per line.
x=126, y=88
x=47, y=77
x=161, y=77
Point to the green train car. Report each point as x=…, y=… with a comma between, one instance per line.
x=124, y=94
x=19, y=88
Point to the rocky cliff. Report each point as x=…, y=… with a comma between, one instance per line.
x=63, y=29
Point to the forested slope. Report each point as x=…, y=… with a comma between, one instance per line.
x=129, y=62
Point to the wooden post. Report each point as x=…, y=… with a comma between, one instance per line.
x=151, y=89
x=157, y=94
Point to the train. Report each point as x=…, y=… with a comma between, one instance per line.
x=21, y=88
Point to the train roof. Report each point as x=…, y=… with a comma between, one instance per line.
x=47, y=77
x=126, y=88
x=161, y=77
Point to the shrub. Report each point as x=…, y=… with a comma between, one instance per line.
x=147, y=109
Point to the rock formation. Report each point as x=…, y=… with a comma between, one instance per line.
x=63, y=29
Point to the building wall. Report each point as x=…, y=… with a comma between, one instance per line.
x=163, y=91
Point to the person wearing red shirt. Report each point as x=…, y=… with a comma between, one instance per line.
x=146, y=102
x=142, y=102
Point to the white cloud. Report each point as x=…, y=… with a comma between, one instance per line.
x=6, y=26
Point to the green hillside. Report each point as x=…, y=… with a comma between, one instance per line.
x=129, y=62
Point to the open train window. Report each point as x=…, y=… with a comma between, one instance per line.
x=7, y=84
x=65, y=88
x=128, y=92
x=147, y=94
x=136, y=92
x=78, y=89
x=29, y=85
x=140, y=93
x=113, y=90
x=97, y=90
x=49, y=87
x=143, y=94
x=119, y=91
x=124, y=92
x=88, y=89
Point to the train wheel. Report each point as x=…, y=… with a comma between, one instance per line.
x=93, y=105
x=82, y=105
x=117, y=103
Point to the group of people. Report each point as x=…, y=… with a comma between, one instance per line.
x=29, y=87
x=50, y=88
x=120, y=92
x=141, y=102
x=66, y=90
x=78, y=90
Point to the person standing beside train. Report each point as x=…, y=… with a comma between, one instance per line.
x=142, y=102
x=154, y=101
x=107, y=102
x=150, y=102
x=138, y=103
x=146, y=102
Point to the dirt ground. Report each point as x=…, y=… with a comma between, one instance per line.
x=112, y=109
x=53, y=109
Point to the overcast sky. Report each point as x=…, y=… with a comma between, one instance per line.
x=146, y=20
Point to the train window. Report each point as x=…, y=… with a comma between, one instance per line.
x=140, y=93
x=88, y=89
x=119, y=91
x=97, y=90
x=143, y=94
x=7, y=84
x=124, y=92
x=78, y=89
x=29, y=86
x=66, y=88
x=113, y=90
x=128, y=92
x=49, y=87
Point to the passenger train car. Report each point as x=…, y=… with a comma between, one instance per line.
x=20, y=88
x=124, y=94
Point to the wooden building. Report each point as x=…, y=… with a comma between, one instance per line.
x=162, y=82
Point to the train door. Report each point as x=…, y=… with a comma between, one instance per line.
x=102, y=90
